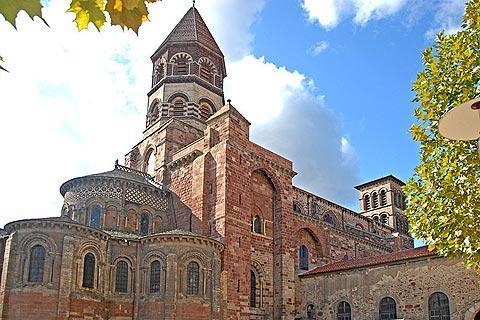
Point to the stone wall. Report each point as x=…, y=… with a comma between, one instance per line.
x=409, y=283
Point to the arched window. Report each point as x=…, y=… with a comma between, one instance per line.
x=344, y=312
x=296, y=207
x=375, y=200
x=179, y=107
x=144, y=224
x=150, y=163
x=303, y=257
x=96, y=216
x=328, y=218
x=159, y=72
x=366, y=201
x=205, y=111
x=310, y=312
x=88, y=271
x=257, y=224
x=383, y=198
x=438, y=306
x=253, y=290
x=121, y=277
x=155, y=272
x=375, y=218
x=193, y=277
x=37, y=263
x=388, y=308
x=384, y=218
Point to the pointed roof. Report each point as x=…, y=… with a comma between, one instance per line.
x=192, y=28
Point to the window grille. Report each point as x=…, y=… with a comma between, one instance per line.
x=37, y=264
x=253, y=290
x=155, y=272
x=193, y=275
x=88, y=271
x=375, y=200
x=438, y=306
x=303, y=257
x=121, y=277
x=144, y=224
x=344, y=312
x=388, y=309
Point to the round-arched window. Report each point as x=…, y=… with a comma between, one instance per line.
x=257, y=224
x=150, y=164
x=95, y=216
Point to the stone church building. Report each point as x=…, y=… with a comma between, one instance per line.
x=202, y=223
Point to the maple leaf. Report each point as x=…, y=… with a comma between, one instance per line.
x=10, y=9
x=128, y=14
x=87, y=11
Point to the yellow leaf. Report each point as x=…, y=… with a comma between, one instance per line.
x=122, y=16
x=88, y=11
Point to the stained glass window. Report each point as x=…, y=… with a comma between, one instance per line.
x=144, y=224
x=96, y=216
x=88, y=271
x=193, y=277
x=303, y=257
x=121, y=277
x=155, y=272
x=37, y=264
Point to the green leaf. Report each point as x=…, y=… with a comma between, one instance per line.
x=87, y=11
x=10, y=9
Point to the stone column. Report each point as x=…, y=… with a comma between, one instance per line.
x=171, y=287
x=65, y=277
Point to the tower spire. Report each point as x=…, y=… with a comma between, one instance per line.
x=193, y=3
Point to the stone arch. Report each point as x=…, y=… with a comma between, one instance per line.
x=206, y=108
x=153, y=111
x=183, y=262
x=30, y=241
x=272, y=177
x=94, y=249
x=149, y=159
x=473, y=311
x=256, y=286
x=309, y=238
x=428, y=293
x=181, y=55
x=207, y=62
x=176, y=95
x=330, y=217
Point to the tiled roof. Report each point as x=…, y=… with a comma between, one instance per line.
x=371, y=261
x=192, y=28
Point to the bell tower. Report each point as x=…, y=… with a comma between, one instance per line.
x=188, y=73
x=187, y=88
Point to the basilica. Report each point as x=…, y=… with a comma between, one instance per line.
x=199, y=223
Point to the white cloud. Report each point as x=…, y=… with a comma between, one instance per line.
x=448, y=17
x=75, y=101
x=329, y=13
x=319, y=47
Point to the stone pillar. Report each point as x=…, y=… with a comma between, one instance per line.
x=65, y=277
x=171, y=287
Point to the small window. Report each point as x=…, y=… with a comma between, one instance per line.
x=121, y=277
x=383, y=198
x=303, y=257
x=257, y=224
x=253, y=290
x=150, y=163
x=388, y=309
x=155, y=273
x=310, y=312
x=37, y=264
x=96, y=216
x=344, y=312
x=179, y=107
x=375, y=200
x=366, y=203
x=182, y=66
x=375, y=218
x=193, y=277
x=204, y=111
x=439, y=306
x=144, y=224
x=296, y=208
x=384, y=218
x=328, y=218
x=88, y=271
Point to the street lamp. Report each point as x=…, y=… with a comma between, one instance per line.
x=462, y=122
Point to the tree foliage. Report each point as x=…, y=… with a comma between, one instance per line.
x=128, y=14
x=444, y=194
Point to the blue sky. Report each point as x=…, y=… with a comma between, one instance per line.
x=325, y=83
